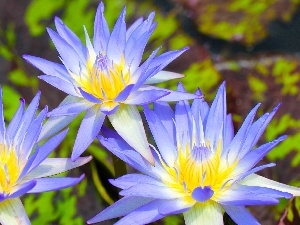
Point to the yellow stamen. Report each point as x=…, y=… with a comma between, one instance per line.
x=9, y=169
x=104, y=79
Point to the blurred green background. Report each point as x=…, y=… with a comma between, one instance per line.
x=252, y=44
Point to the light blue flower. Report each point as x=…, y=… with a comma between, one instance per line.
x=201, y=168
x=106, y=78
x=24, y=166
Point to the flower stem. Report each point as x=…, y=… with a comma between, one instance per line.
x=119, y=166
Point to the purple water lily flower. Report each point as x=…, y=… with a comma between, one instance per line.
x=201, y=168
x=24, y=166
x=106, y=78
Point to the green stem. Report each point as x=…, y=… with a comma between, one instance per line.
x=119, y=166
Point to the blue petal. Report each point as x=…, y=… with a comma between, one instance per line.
x=46, y=149
x=152, y=191
x=130, y=180
x=162, y=76
x=28, y=116
x=241, y=195
x=60, y=84
x=101, y=31
x=2, y=123
x=145, y=214
x=15, y=122
x=174, y=206
x=71, y=38
x=234, y=147
x=48, y=67
x=30, y=138
x=145, y=97
x=88, y=130
x=164, y=142
x=89, y=97
x=71, y=108
x=120, y=208
x=253, y=157
x=54, y=183
x=216, y=118
x=202, y=194
x=123, y=95
x=22, y=189
x=256, y=131
x=70, y=58
x=57, y=123
x=240, y=215
x=116, y=43
x=166, y=115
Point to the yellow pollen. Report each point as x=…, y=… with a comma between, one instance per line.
x=9, y=169
x=189, y=172
x=104, y=79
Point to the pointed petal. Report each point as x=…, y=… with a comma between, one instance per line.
x=2, y=123
x=116, y=43
x=71, y=38
x=67, y=53
x=128, y=123
x=22, y=189
x=15, y=122
x=48, y=67
x=145, y=97
x=172, y=96
x=109, y=108
x=152, y=191
x=12, y=212
x=130, y=180
x=174, y=206
x=89, y=97
x=53, y=166
x=240, y=214
x=123, y=95
x=241, y=195
x=88, y=130
x=60, y=84
x=71, y=108
x=57, y=123
x=43, y=151
x=101, y=31
x=163, y=76
x=203, y=214
x=120, y=208
x=145, y=214
x=164, y=142
x=54, y=183
x=256, y=180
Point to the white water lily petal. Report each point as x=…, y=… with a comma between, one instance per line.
x=12, y=212
x=163, y=76
x=128, y=123
x=256, y=180
x=52, y=166
x=208, y=213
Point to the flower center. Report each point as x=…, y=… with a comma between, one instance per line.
x=103, y=78
x=9, y=169
x=200, y=171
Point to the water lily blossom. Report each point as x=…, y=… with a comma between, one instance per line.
x=105, y=77
x=24, y=166
x=201, y=168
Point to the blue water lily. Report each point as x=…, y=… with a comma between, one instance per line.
x=105, y=77
x=201, y=168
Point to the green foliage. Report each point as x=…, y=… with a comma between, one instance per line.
x=251, y=18
x=10, y=101
x=40, y=11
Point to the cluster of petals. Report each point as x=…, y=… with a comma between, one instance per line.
x=201, y=168
x=24, y=166
x=105, y=77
